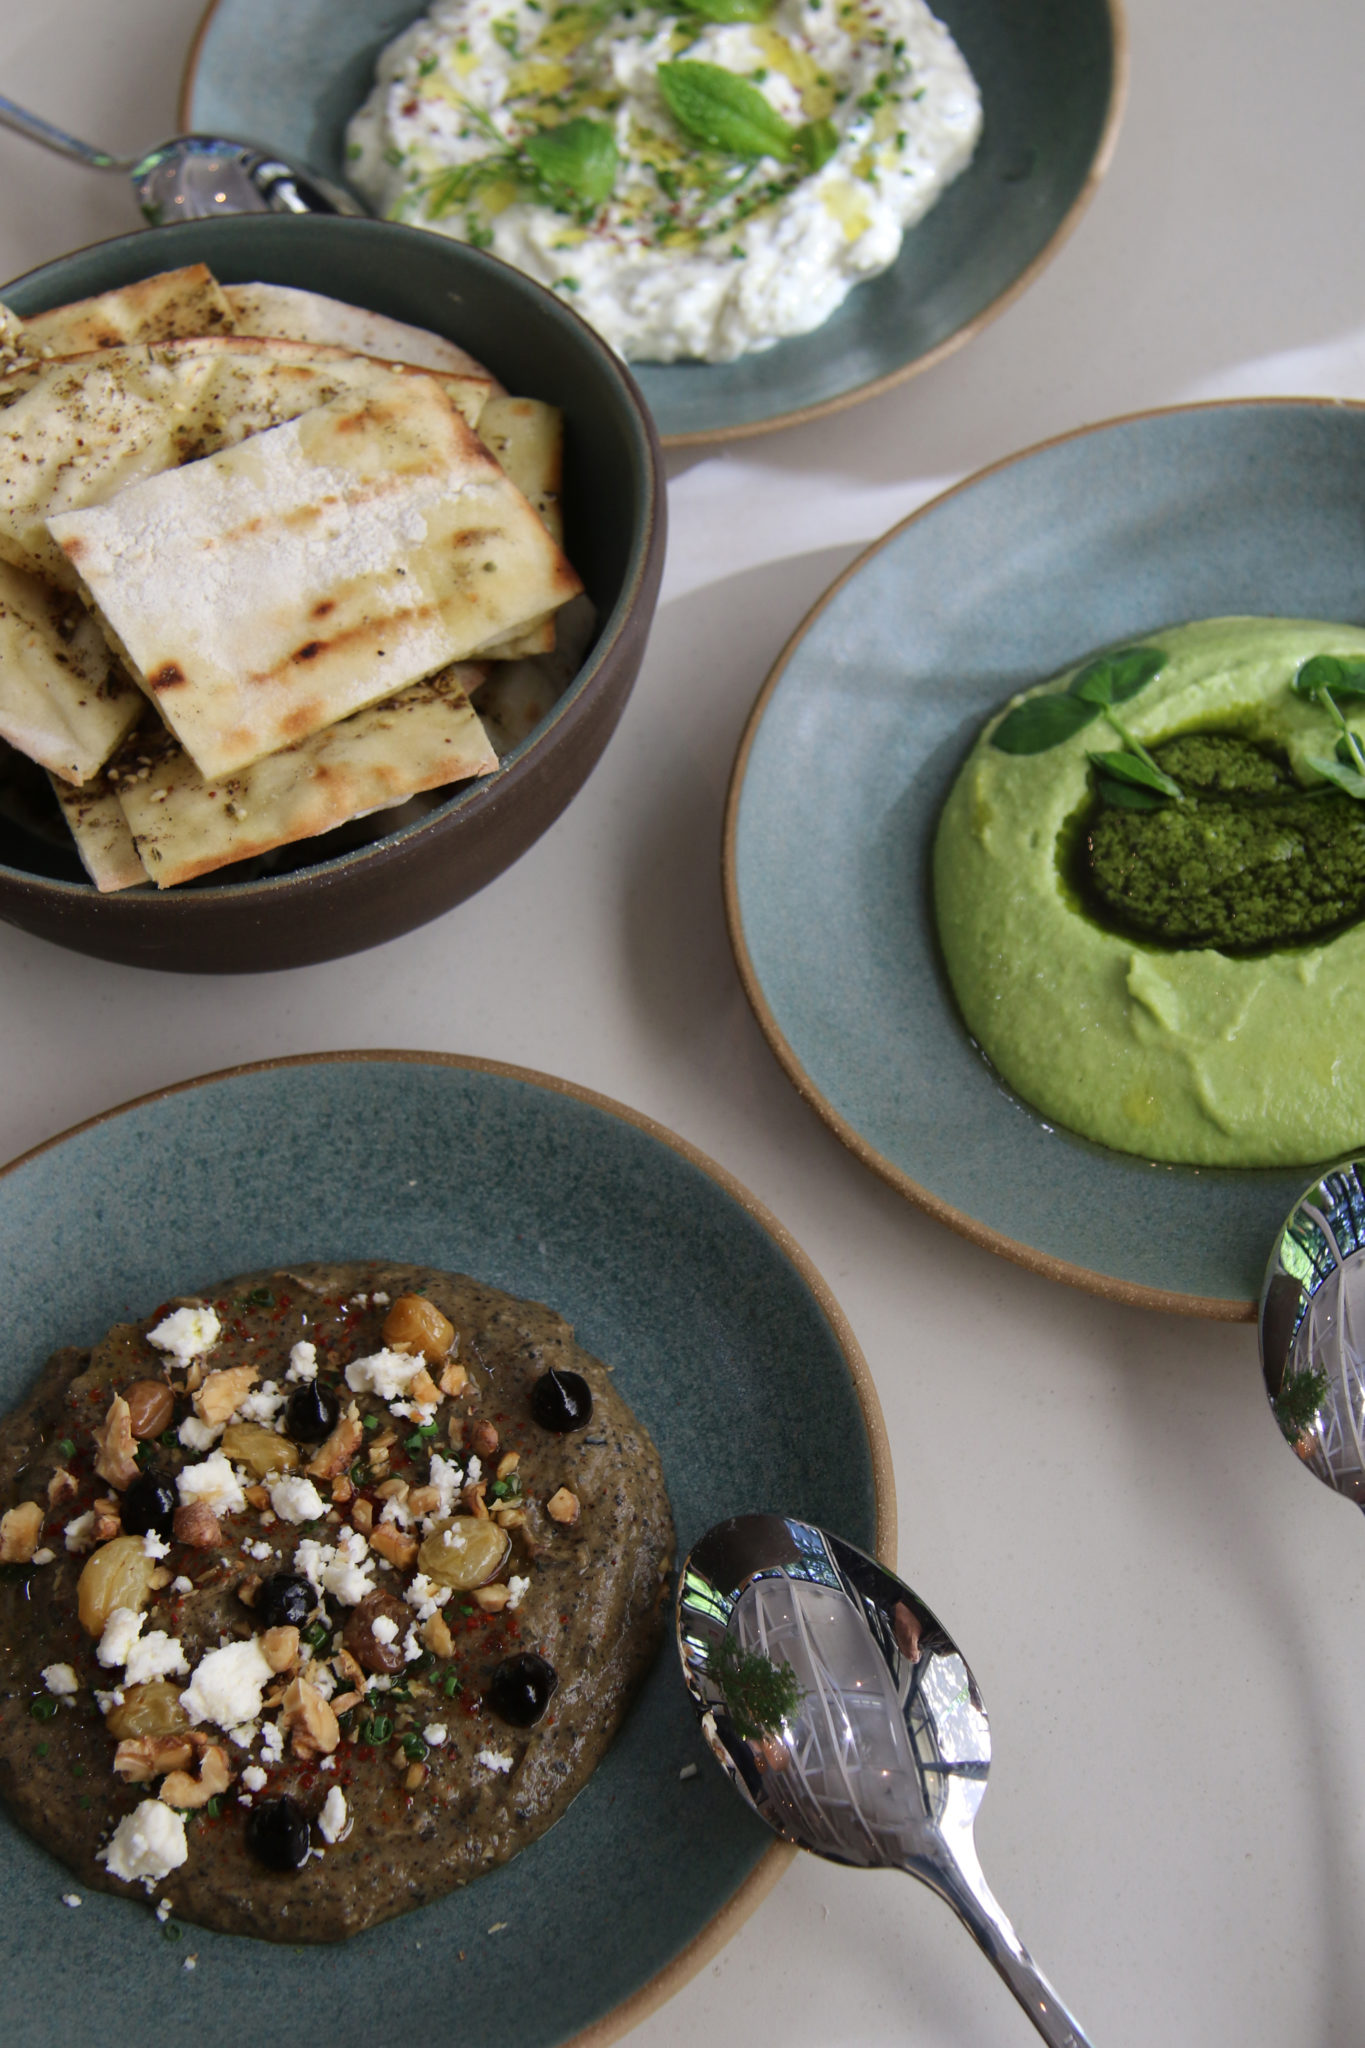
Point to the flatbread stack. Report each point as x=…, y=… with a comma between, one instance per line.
x=260, y=551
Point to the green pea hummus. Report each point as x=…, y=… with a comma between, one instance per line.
x=1174, y=1050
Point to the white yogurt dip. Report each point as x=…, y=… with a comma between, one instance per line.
x=680, y=238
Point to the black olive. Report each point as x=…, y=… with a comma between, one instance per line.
x=561, y=1401
x=312, y=1413
x=277, y=1833
x=521, y=1689
x=285, y=1600
x=149, y=1503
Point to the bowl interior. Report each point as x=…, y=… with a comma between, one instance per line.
x=1108, y=534
x=538, y=348
x=1050, y=83
x=723, y=1341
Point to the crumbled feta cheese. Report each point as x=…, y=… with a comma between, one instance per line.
x=359, y=1301
x=71, y=1898
x=228, y=1684
x=254, y=1778
x=148, y=1843
x=321, y=1679
x=334, y=1823
x=121, y=1631
x=190, y=1963
x=494, y=1760
x=446, y=1476
x=297, y=1500
x=155, y=1655
x=380, y=1300
x=303, y=1363
x=43, y=1556
x=214, y=1481
x=243, y=1735
x=260, y=1551
x=186, y=1333
x=182, y=1584
x=199, y=1436
x=262, y=1404
x=426, y=1597
x=412, y=1649
x=413, y=1411
x=154, y=1545
x=473, y=1472
x=343, y=1570
x=517, y=1589
x=396, y=1514
x=272, y=1742
x=386, y=1373
x=434, y=1734
x=60, y=1679
x=80, y=1532
x=163, y=1910
x=107, y=1701
x=383, y=1628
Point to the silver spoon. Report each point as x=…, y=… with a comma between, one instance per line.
x=848, y=1720
x=1313, y=1329
x=193, y=176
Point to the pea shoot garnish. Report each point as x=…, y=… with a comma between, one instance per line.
x=1327, y=680
x=760, y=1694
x=1128, y=776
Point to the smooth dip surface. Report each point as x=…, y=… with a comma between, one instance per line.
x=389, y=1721
x=1180, y=1053
x=683, y=249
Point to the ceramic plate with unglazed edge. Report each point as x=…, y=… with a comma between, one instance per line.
x=1051, y=77
x=724, y=1340
x=1104, y=535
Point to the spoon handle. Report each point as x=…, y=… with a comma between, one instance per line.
x=38, y=130
x=957, y=1877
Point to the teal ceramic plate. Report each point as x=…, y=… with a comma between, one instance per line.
x=1051, y=76
x=725, y=1341
x=1104, y=535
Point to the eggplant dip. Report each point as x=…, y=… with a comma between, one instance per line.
x=319, y=1594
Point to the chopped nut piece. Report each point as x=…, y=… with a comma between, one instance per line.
x=474, y=1502
x=222, y=1393
x=483, y=1438
x=160, y=1577
x=453, y=1380
x=379, y=1459
x=437, y=1637
x=215, y=1775
x=345, y=1666
x=280, y=1647
x=415, y=1777
x=344, y=1701
x=259, y=1496
x=393, y=1489
x=386, y=1439
x=151, y=1406
x=510, y=1518
x=423, y=1500
x=61, y=1486
x=309, y=1721
x=562, y=1507
x=418, y=1324
x=391, y=1543
x=492, y=1599
x=19, y=1532
x=248, y=1588
x=508, y=1462
x=197, y=1525
x=139, y=1757
x=337, y=1452
x=116, y=1462
x=424, y=1389
x=362, y=1514
x=105, y=1526
x=342, y=1490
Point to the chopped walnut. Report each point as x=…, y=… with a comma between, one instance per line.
x=474, y=1501
x=424, y=1389
x=105, y=1526
x=508, y=1462
x=483, y=1438
x=258, y=1496
x=437, y=1637
x=344, y=1701
x=139, y=1757
x=215, y=1775
x=510, y=1518
x=197, y=1525
x=61, y=1486
x=345, y=1666
x=309, y=1721
x=280, y=1647
x=423, y=1500
x=453, y=1380
x=248, y=1588
x=116, y=1462
x=342, y=1491
x=362, y=1514
x=393, y=1489
x=337, y=1452
x=562, y=1507
x=391, y=1543
x=222, y=1393
x=19, y=1532
x=415, y=1777
x=492, y=1599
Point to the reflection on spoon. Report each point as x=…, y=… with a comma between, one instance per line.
x=193, y=176
x=848, y=1719
x=1313, y=1330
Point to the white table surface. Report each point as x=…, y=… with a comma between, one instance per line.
x=1165, y=1614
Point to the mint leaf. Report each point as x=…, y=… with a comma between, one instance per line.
x=815, y=143
x=574, y=164
x=724, y=112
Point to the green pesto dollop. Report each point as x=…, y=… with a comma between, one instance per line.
x=1248, y=862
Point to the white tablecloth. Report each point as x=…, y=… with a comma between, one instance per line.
x=1163, y=1611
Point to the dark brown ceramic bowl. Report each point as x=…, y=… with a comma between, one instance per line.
x=614, y=514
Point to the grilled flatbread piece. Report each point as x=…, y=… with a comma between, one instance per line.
x=281, y=309
x=103, y=841
x=162, y=308
x=518, y=694
x=527, y=438
x=78, y=431
x=272, y=589
x=184, y=827
x=64, y=700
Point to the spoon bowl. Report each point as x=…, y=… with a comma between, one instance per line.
x=846, y=1716
x=1312, y=1329
x=192, y=177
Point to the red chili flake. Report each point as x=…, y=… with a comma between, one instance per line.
x=365, y=1753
